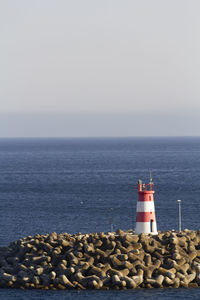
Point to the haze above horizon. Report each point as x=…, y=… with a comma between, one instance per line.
x=99, y=68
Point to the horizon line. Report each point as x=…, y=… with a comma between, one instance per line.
x=99, y=137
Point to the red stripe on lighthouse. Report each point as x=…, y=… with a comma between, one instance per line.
x=145, y=196
x=145, y=216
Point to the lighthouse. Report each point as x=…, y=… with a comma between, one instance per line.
x=146, y=218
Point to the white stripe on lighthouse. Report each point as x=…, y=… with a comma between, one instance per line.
x=144, y=227
x=145, y=206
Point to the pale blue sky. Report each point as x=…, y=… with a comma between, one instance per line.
x=99, y=68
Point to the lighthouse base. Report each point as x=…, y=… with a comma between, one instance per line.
x=146, y=228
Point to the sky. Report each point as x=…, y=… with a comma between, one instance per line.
x=99, y=68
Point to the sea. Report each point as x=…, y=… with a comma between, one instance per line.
x=90, y=185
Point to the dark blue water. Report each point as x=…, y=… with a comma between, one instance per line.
x=78, y=185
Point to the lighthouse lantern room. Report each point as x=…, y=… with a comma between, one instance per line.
x=146, y=218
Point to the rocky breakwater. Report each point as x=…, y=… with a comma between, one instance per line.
x=118, y=260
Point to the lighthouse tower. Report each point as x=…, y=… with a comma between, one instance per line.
x=146, y=218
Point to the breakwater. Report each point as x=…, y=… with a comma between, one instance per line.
x=118, y=260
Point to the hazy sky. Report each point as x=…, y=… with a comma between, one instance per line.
x=99, y=67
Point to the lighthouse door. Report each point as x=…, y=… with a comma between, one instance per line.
x=151, y=225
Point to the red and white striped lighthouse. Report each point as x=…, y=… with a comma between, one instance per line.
x=146, y=218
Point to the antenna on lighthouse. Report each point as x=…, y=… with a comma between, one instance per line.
x=151, y=180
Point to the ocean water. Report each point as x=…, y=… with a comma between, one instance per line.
x=80, y=185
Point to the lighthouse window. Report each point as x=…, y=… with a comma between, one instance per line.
x=151, y=225
x=149, y=197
